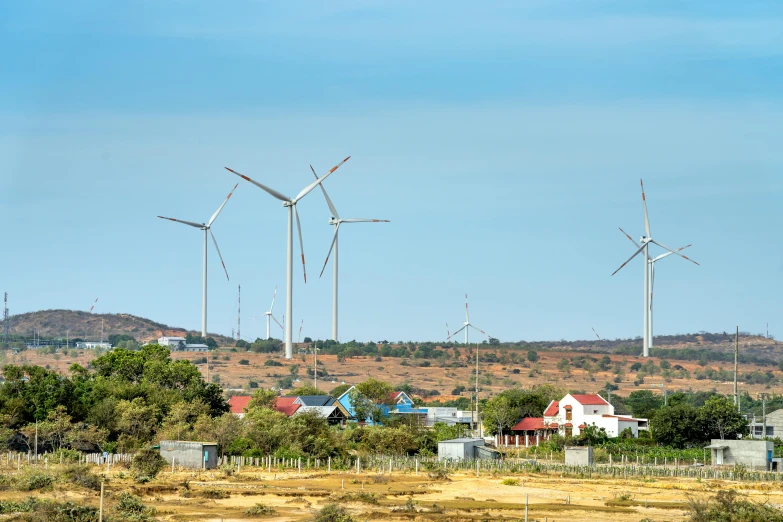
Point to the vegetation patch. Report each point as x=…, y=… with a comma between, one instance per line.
x=81, y=475
x=32, y=480
x=146, y=465
x=728, y=506
x=260, y=510
x=333, y=513
x=510, y=482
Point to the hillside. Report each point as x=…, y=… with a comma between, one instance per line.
x=55, y=324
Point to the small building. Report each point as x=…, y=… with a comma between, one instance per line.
x=196, y=348
x=172, y=342
x=579, y=456
x=460, y=449
x=93, y=344
x=755, y=454
x=773, y=425
x=195, y=455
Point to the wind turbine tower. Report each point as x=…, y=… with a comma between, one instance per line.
x=290, y=205
x=207, y=228
x=270, y=317
x=336, y=221
x=649, y=273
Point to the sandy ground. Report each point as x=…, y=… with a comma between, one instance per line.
x=213, y=496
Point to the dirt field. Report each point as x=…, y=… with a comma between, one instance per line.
x=442, y=379
x=212, y=496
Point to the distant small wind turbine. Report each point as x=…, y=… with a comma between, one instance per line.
x=466, y=325
x=206, y=227
x=93, y=304
x=596, y=334
x=269, y=317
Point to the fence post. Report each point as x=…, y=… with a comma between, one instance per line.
x=100, y=509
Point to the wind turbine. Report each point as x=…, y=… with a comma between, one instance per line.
x=649, y=263
x=269, y=316
x=207, y=227
x=466, y=325
x=336, y=221
x=290, y=204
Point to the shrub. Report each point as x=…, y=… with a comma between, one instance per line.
x=260, y=510
x=334, y=513
x=49, y=511
x=131, y=507
x=510, y=482
x=82, y=476
x=272, y=362
x=214, y=494
x=439, y=474
x=147, y=464
x=726, y=506
x=244, y=362
x=32, y=481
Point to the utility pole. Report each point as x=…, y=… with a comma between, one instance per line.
x=736, y=361
x=478, y=417
x=6, y=325
x=239, y=312
x=763, y=415
x=315, y=366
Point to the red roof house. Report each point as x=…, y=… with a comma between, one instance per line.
x=238, y=404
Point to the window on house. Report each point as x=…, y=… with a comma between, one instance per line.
x=568, y=414
x=595, y=411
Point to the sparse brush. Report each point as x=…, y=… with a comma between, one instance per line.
x=131, y=507
x=333, y=513
x=439, y=474
x=510, y=482
x=261, y=510
x=214, y=493
x=82, y=476
x=408, y=507
x=365, y=497
x=380, y=479
x=32, y=480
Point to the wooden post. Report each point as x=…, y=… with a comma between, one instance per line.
x=172, y=464
x=100, y=509
x=417, y=466
x=329, y=465
x=526, y=502
x=358, y=465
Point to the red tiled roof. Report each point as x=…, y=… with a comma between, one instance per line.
x=530, y=424
x=582, y=426
x=552, y=409
x=589, y=400
x=394, y=395
x=286, y=405
x=238, y=403
x=568, y=425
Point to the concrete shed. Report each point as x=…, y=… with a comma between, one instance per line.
x=755, y=454
x=579, y=456
x=459, y=449
x=196, y=455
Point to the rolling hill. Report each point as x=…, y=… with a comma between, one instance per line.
x=55, y=324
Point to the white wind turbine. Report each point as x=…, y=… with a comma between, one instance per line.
x=649, y=273
x=336, y=221
x=270, y=317
x=206, y=227
x=290, y=203
x=466, y=325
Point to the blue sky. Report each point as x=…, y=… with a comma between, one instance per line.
x=505, y=144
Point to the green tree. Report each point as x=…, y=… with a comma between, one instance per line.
x=532, y=356
x=339, y=390
x=677, y=426
x=263, y=399
x=720, y=419
x=643, y=403
x=500, y=414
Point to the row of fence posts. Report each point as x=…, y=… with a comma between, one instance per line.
x=383, y=464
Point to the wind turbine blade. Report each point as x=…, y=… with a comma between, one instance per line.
x=218, y=251
x=328, y=201
x=301, y=243
x=94, y=303
x=448, y=334
x=455, y=333
x=273, y=301
x=667, y=254
x=215, y=215
x=634, y=255
x=192, y=224
x=334, y=240
x=363, y=220
x=271, y=192
x=317, y=182
x=278, y=322
x=299, y=337
x=675, y=252
x=479, y=330
x=596, y=333
x=629, y=238
x=467, y=320
x=646, y=219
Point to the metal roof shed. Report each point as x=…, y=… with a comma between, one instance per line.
x=459, y=449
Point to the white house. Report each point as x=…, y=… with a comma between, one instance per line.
x=172, y=342
x=573, y=413
x=196, y=348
